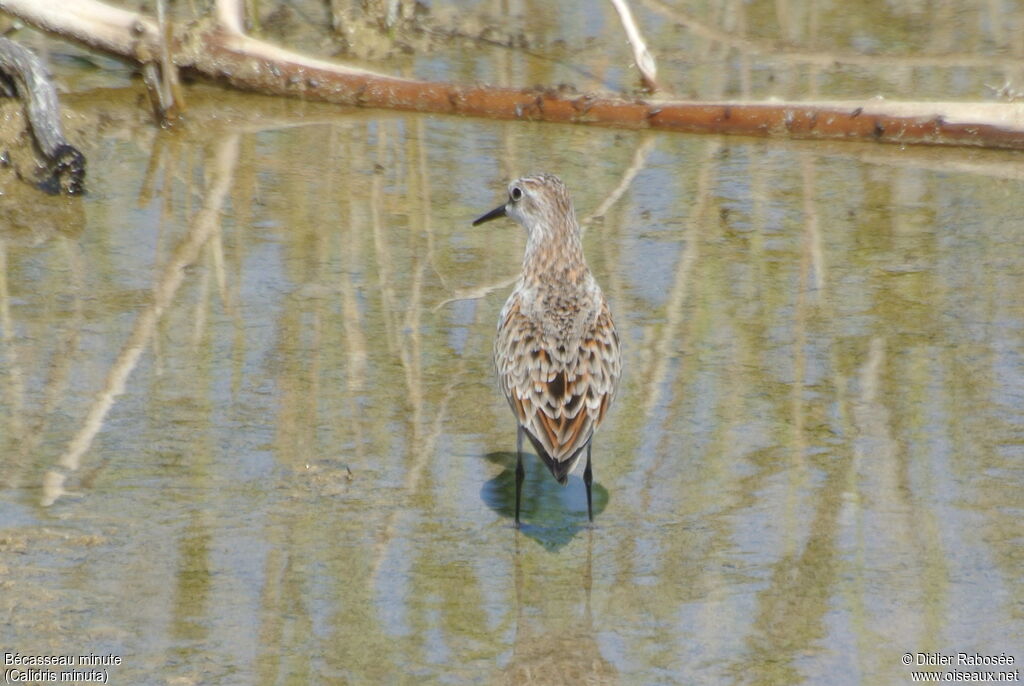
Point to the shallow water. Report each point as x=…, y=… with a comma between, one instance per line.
x=251, y=433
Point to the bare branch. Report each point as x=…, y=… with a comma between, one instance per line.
x=170, y=100
x=643, y=57
x=256, y=65
x=95, y=24
x=230, y=15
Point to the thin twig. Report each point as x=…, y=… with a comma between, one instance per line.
x=643, y=57
x=171, y=98
x=231, y=15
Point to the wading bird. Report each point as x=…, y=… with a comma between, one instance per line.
x=556, y=353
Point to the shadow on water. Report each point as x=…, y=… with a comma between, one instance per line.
x=551, y=514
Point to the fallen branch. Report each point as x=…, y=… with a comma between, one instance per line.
x=223, y=53
x=64, y=165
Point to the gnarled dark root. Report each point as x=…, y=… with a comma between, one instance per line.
x=63, y=167
x=64, y=173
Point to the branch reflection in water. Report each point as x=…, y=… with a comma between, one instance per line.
x=205, y=224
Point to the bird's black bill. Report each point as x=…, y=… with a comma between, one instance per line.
x=493, y=214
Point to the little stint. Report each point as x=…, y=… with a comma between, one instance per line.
x=556, y=353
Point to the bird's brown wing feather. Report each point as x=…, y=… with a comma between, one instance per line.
x=559, y=393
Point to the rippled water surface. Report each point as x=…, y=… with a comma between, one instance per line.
x=251, y=433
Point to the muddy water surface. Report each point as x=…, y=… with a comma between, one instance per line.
x=251, y=435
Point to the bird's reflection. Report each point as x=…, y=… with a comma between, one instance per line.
x=555, y=640
x=552, y=515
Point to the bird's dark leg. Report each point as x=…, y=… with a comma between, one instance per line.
x=588, y=478
x=520, y=472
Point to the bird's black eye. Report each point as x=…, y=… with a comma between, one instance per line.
x=516, y=193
